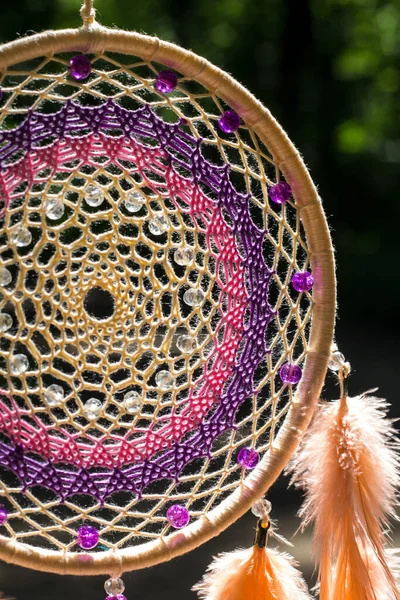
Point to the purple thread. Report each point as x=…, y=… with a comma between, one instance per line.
x=183, y=150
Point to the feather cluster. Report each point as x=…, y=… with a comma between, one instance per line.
x=348, y=465
x=252, y=574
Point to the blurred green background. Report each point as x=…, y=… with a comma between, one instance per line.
x=329, y=72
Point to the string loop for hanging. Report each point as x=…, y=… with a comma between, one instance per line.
x=88, y=14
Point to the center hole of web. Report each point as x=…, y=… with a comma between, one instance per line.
x=99, y=304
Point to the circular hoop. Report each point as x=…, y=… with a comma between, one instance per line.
x=95, y=39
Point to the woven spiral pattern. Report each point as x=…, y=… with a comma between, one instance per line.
x=121, y=471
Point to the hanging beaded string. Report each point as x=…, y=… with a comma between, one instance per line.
x=115, y=588
x=265, y=525
x=338, y=364
x=262, y=509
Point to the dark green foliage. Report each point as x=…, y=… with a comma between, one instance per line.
x=329, y=71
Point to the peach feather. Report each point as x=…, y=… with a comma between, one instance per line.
x=252, y=574
x=348, y=465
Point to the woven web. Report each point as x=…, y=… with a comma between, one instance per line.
x=97, y=302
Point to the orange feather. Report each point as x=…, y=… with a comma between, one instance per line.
x=252, y=574
x=348, y=465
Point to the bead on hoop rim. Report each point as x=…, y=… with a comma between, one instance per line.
x=80, y=67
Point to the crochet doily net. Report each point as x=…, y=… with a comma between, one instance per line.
x=98, y=305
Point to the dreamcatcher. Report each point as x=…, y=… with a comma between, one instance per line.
x=167, y=313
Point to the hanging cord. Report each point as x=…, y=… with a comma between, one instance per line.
x=88, y=14
x=343, y=375
x=338, y=364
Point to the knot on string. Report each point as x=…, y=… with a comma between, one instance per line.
x=338, y=364
x=88, y=13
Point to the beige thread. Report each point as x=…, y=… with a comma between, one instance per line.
x=88, y=14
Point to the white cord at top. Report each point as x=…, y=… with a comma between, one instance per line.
x=88, y=13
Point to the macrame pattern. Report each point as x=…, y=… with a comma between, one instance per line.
x=170, y=141
x=167, y=161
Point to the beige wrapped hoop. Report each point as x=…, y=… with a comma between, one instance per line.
x=93, y=38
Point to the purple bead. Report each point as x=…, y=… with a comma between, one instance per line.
x=166, y=81
x=280, y=192
x=3, y=514
x=80, y=67
x=229, y=122
x=302, y=281
x=117, y=597
x=290, y=373
x=248, y=458
x=178, y=516
x=88, y=537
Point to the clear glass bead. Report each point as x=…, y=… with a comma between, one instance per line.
x=21, y=237
x=5, y=276
x=186, y=343
x=113, y=587
x=6, y=322
x=93, y=408
x=132, y=403
x=159, y=224
x=54, y=208
x=261, y=508
x=54, y=395
x=134, y=201
x=193, y=296
x=164, y=380
x=336, y=361
x=94, y=195
x=184, y=256
x=19, y=363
